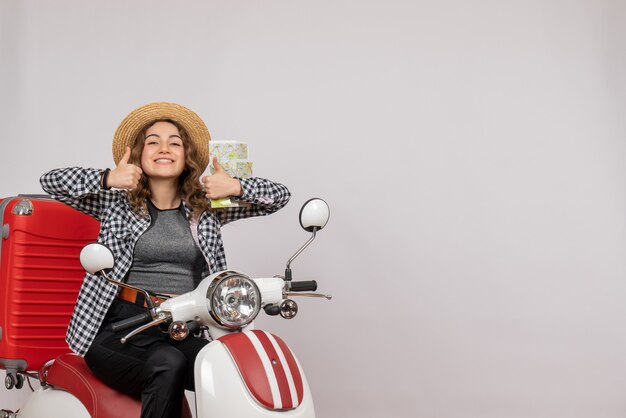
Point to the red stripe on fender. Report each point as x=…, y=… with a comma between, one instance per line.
x=250, y=367
x=293, y=366
x=279, y=370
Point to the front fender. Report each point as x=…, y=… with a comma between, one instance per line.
x=251, y=374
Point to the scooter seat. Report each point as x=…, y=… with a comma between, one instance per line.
x=70, y=373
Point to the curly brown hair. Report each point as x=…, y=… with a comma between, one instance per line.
x=189, y=186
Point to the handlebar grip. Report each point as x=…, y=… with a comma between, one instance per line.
x=304, y=286
x=131, y=322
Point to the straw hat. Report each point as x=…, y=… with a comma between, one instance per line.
x=147, y=114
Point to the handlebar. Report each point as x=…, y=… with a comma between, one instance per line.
x=303, y=286
x=133, y=321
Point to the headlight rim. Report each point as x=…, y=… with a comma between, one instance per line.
x=214, y=285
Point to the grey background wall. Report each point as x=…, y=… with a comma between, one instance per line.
x=472, y=152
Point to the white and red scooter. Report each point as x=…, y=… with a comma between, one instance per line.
x=242, y=373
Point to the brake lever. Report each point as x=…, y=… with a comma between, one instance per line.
x=162, y=317
x=310, y=295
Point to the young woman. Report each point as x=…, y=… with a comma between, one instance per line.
x=155, y=216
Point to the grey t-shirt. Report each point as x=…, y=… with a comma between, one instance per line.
x=166, y=257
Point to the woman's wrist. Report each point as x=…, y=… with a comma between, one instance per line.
x=238, y=190
x=104, y=176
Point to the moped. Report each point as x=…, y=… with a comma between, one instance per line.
x=242, y=372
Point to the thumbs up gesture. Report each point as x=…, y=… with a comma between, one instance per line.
x=220, y=185
x=125, y=175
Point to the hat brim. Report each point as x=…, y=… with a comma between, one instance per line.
x=145, y=115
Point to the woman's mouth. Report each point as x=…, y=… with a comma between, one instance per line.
x=164, y=161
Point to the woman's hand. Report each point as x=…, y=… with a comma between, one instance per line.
x=220, y=185
x=124, y=176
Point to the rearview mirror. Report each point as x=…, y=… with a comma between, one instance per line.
x=96, y=257
x=314, y=214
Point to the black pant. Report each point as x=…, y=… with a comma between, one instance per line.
x=149, y=366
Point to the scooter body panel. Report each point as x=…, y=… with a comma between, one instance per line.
x=222, y=393
x=52, y=402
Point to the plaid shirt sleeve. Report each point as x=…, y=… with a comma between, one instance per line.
x=79, y=188
x=265, y=197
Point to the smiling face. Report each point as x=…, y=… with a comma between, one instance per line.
x=163, y=154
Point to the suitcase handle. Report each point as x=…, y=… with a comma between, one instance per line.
x=35, y=196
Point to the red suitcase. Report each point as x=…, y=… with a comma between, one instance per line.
x=40, y=275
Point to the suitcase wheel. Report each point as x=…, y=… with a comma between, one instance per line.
x=14, y=381
x=9, y=381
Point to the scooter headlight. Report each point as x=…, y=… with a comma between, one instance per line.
x=233, y=299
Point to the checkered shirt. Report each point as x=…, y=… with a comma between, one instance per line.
x=121, y=227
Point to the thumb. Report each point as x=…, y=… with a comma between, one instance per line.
x=126, y=157
x=218, y=167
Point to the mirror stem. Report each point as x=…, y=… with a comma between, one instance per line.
x=146, y=295
x=293, y=257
